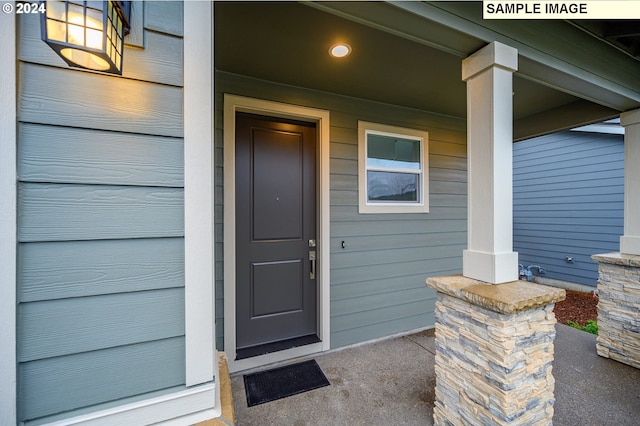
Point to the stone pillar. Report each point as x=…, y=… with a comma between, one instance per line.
x=619, y=307
x=494, y=352
x=489, y=256
x=630, y=241
x=619, y=273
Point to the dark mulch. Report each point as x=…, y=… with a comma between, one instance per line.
x=578, y=307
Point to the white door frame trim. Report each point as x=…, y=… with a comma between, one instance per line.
x=233, y=104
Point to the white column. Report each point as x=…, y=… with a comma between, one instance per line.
x=630, y=241
x=489, y=75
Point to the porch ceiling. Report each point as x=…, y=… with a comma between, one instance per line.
x=396, y=59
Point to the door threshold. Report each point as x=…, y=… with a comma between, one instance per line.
x=281, y=345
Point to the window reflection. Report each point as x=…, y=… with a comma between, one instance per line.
x=391, y=186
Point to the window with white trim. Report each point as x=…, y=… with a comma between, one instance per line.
x=393, y=174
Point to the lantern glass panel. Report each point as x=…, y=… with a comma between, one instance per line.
x=94, y=4
x=56, y=10
x=76, y=14
x=94, y=39
x=94, y=19
x=57, y=30
x=76, y=35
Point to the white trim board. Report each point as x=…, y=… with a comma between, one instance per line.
x=8, y=218
x=183, y=407
x=611, y=127
x=201, y=360
x=233, y=104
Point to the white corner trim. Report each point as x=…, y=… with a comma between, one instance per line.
x=8, y=215
x=199, y=193
x=233, y=104
x=180, y=408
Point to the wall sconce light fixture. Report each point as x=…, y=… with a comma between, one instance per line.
x=87, y=34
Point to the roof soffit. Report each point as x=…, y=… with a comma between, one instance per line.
x=579, y=64
x=400, y=57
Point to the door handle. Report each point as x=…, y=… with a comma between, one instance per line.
x=312, y=261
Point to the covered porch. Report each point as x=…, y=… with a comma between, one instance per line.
x=507, y=80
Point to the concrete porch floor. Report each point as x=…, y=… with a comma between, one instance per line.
x=391, y=382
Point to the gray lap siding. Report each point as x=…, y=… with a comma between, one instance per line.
x=100, y=223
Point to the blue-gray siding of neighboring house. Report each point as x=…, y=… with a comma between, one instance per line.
x=568, y=202
x=100, y=223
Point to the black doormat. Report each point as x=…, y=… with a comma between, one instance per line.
x=282, y=382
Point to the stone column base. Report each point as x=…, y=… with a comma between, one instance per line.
x=494, y=352
x=619, y=307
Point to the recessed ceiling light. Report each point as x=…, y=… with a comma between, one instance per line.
x=340, y=50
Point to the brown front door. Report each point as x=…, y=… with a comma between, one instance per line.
x=276, y=291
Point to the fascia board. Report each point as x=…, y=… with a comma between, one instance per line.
x=535, y=63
